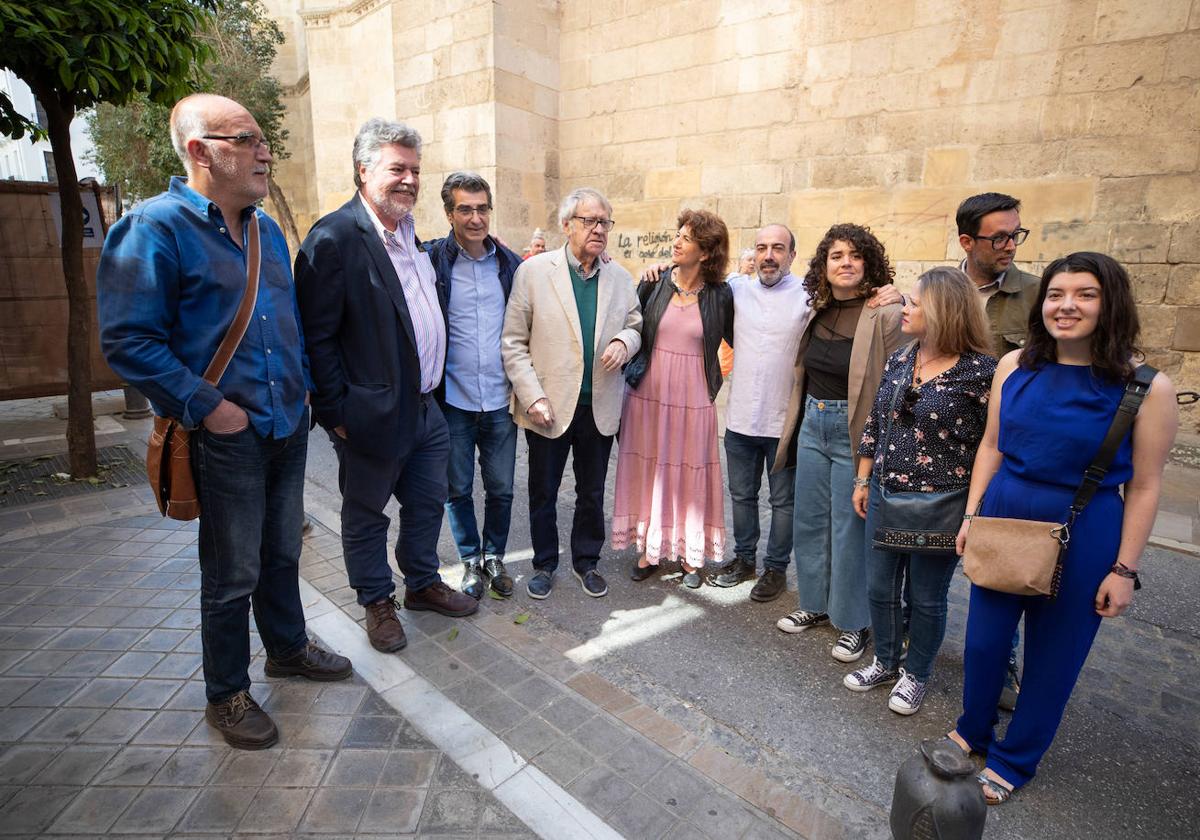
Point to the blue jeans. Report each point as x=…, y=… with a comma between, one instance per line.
x=925, y=586
x=744, y=460
x=827, y=536
x=495, y=434
x=251, y=492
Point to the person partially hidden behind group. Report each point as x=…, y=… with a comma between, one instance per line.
x=1051, y=405
x=921, y=437
x=838, y=367
x=669, y=501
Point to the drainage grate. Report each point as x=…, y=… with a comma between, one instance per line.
x=45, y=477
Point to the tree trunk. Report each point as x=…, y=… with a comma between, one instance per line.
x=286, y=221
x=81, y=438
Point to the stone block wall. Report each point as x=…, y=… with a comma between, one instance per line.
x=803, y=111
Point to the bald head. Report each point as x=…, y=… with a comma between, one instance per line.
x=200, y=114
x=774, y=250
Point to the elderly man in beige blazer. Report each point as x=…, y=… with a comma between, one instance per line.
x=572, y=321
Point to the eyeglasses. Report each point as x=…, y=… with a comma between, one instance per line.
x=911, y=395
x=1001, y=239
x=242, y=138
x=467, y=212
x=590, y=222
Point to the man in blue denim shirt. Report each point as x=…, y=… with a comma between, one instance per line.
x=171, y=276
x=476, y=272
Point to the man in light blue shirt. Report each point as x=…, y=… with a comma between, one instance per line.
x=476, y=272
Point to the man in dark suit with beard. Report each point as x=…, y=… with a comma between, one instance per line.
x=376, y=337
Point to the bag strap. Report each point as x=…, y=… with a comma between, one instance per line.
x=1135, y=391
x=241, y=320
x=912, y=346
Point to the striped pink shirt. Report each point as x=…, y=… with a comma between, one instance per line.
x=419, y=284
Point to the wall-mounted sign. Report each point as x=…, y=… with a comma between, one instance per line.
x=93, y=231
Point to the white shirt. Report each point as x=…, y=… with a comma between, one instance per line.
x=767, y=325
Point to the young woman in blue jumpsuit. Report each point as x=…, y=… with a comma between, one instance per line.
x=1051, y=405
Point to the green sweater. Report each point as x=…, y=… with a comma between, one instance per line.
x=585, y=302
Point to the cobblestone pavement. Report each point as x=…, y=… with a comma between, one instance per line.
x=672, y=713
x=102, y=727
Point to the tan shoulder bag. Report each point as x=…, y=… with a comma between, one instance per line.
x=169, y=456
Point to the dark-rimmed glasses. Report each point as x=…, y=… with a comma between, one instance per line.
x=466, y=211
x=590, y=222
x=1001, y=239
x=242, y=138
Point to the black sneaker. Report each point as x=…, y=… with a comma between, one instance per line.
x=472, y=581
x=593, y=584
x=801, y=620
x=540, y=584
x=734, y=573
x=770, y=586
x=870, y=676
x=1012, y=688
x=851, y=645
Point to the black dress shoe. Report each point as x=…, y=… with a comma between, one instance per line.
x=770, y=585
x=472, y=583
x=242, y=723
x=731, y=574
x=642, y=572
x=312, y=663
x=501, y=581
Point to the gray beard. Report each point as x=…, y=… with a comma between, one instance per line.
x=770, y=284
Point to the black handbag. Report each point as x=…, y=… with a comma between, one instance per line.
x=924, y=523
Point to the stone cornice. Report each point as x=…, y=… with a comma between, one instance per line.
x=346, y=12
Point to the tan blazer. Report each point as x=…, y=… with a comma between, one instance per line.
x=875, y=338
x=542, y=341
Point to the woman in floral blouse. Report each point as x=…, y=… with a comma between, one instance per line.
x=944, y=376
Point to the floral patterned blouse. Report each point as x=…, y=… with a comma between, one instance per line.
x=933, y=440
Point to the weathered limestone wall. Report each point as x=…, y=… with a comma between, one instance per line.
x=811, y=113
x=795, y=110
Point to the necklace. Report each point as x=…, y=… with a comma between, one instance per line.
x=688, y=292
x=917, y=372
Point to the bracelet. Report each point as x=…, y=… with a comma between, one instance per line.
x=1121, y=570
x=967, y=517
x=862, y=482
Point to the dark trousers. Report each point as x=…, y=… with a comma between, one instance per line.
x=251, y=492
x=745, y=458
x=418, y=482
x=547, y=460
x=494, y=434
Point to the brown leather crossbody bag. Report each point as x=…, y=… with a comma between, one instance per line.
x=1025, y=556
x=169, y=454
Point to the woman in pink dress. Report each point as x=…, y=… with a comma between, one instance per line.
x=669, y=495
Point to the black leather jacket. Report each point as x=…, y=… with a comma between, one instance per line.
x=716, y=316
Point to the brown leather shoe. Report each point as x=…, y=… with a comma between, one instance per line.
x=440, y=598
x=242, y=723
x=312, y=663
x=383, y=626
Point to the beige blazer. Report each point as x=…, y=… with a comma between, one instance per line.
x=875, y=338
x=542, y=341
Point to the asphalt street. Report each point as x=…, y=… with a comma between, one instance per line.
x=1124, y=763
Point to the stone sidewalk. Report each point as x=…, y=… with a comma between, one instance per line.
x=102, y=727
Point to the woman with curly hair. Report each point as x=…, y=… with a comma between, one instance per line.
x=838, y=369
x=669, y=496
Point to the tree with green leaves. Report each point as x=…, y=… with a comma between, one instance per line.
x=132, y=144
x=75, y=54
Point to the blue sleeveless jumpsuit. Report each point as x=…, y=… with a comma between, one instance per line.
x=1052, y=421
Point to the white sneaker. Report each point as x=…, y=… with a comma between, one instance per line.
x=907, y=694
x=851, y=645
x=801, y=620
x=870, y=676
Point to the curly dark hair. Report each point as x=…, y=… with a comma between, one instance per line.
x=877, y=271
x=1114, y=343
x=712, y=236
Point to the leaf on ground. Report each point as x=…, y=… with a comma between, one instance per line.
x=453, y=634
x=492, y=594
x=93, y=481
x=41, y=493
x=521, y=618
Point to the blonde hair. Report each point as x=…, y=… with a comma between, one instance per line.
x=955, y=321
